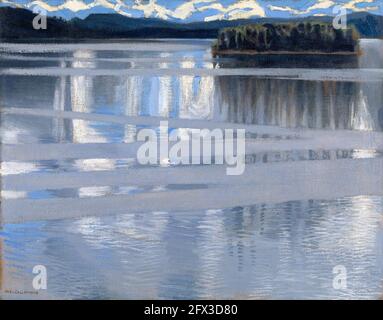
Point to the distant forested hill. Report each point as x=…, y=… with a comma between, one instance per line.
x=16, y=24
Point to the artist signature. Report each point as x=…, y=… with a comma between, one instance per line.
x=20, y=292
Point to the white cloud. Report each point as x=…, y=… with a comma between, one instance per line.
x=187, y=9
x=284, y=8
x=242, y=9
x=11, y=3
x=79, y=5
x=353, y=5
x=320, y=5
x=152, y=9
x=72, y=5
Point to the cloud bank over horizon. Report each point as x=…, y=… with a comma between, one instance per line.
x=198, y=10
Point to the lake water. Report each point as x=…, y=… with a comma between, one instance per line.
x=75, y=200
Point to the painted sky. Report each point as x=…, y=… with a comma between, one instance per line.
x=198, y=10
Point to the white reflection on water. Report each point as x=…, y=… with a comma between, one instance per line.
x=362, y=119
x=82, y=99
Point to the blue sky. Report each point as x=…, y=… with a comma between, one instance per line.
x=194, y=10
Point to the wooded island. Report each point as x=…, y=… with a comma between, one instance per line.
x=287, y=37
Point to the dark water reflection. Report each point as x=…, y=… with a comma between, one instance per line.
x=305, y=104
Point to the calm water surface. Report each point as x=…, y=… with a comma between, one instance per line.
x=75, y=200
